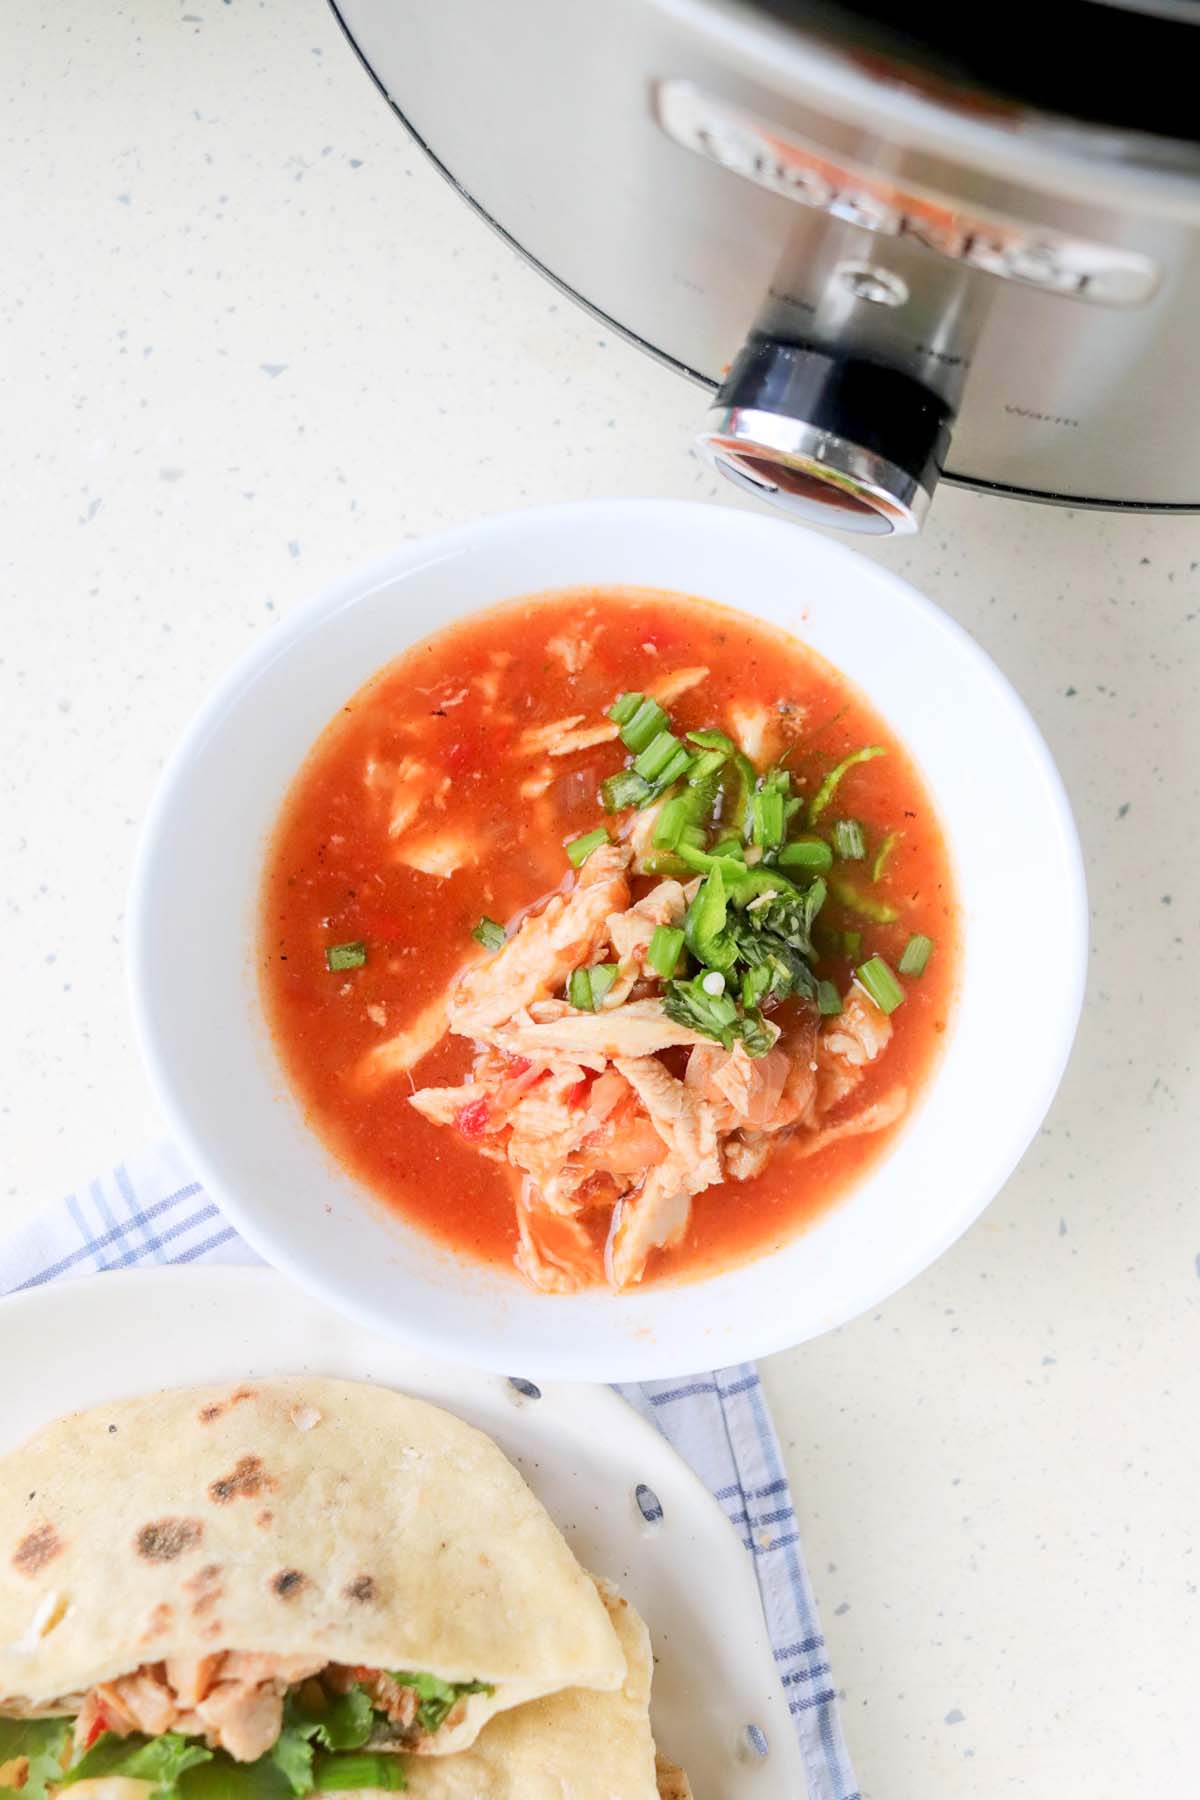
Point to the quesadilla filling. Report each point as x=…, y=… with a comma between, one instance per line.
x=249, y=1725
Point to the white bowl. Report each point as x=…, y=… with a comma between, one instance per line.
x=193, y=927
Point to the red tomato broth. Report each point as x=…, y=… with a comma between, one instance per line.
x=330, y=878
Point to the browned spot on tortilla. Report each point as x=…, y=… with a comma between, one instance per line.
x=213, y=1630
x=207, y=1414
x=242, y=1393
x=247, y=1480
x=362, y=1589
x=265, y=1517
x=287, y=1583
x=37, y=1548
x=205, y=1587
x=157, y=1623
x=162, y=1540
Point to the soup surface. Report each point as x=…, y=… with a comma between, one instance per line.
x=608, y=932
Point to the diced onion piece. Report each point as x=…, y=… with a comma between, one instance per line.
x=848, y=840
x=879, y=982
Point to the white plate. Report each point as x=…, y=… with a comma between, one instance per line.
x=581, y=1449
x=193, y=930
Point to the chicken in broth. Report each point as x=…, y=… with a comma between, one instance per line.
x=609, y=933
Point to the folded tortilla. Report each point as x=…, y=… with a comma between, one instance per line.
x=323, y=1521
x=577, y=1745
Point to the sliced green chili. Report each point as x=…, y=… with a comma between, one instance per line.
x=829, y=786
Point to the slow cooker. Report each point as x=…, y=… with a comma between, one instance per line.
x=892, y=247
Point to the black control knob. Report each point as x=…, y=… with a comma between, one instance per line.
x=833, y=437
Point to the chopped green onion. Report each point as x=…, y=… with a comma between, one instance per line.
x=852, y=943
x=623, y=789
x=624, y=707
x=916, y=954
x=490, y=935
x=880, y=912
x=602, y=978
x=345, y=956
x=806, y=853
x=731, y=847
x=647, y=723
x=877, y=978
x=580, y=848
x=364, y=1771
x=712, y=740
x=766, y=817
x=884, y=853
x=848, y=840
x=829, y=786
x=665, y=947
x=587, y=987
x=679, y=765
x=657, y=754
x=829, y=1001
x=672, y=822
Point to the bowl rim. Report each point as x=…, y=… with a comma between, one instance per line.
x=630, y=1361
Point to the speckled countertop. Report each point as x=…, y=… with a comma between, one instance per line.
x=251, y=340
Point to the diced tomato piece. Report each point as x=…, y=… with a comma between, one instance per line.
x=472, y=1119
x=384, y=927
x=99, y=1727
x=579, y=1092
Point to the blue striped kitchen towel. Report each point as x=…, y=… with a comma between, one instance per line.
x=149, y=1210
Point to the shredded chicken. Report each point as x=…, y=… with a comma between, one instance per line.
x=666, y=689
x=538, y=958
x=539, y=740
x=757, y=730
x=404, y=788
x=640, y=1028
x=235, y=1701
x=397, y=1055
x=848, y=1044
x=441, y=853
x=586, y=738
x=605, y=1141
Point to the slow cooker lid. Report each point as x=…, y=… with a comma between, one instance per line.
x=1124, y=65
